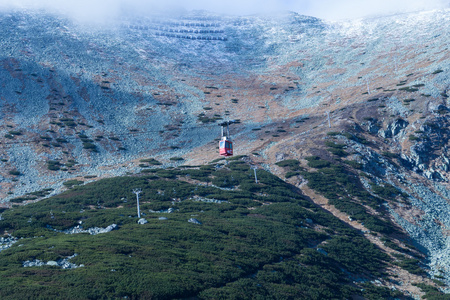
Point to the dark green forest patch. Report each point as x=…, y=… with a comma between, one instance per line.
x=256, y=240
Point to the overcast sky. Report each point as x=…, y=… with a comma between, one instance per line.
x=326, y=9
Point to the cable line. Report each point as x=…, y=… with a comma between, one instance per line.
x=37, y=140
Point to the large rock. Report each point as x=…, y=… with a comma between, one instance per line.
x=421, y=153
x=394, y=128
x=194, y=221
x=438, y=108
x=434, y=175
x=372, y=126
x=445, y=166
x=142, y=221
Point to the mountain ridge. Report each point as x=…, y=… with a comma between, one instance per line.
x=86, y=103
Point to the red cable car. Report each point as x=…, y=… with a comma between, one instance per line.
x=225, y=147
x=225, y=144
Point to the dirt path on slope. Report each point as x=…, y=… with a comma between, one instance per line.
x=402, y=280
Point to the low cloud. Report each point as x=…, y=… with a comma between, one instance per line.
x=103, y=10
x=347, y=9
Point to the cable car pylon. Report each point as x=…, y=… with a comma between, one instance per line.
x=225, y=144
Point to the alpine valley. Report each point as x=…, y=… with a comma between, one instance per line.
x=338, y=187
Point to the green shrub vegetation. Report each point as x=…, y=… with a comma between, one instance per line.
x=390, y=154
x=14, y=172
x=411, y=265
x=356, y=138
x=71, y=183
x=354, y=164
x=176, y=158
x=89, y=146
x=15, y=132
x=291, y=174
x=408, y=89
x=242, y=250
x=293, y=164
x=317, y=162
x=70, y=163
x=53, y=165
x=151, y=161
x=344, y=190
x=32, y=196
x=334, y=145
x=387, y=191
x=338, y=152
x=431, y=292
x=202, y=117
x=333, y=133
x=67, y=122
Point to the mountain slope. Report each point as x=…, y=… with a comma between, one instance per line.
x=212, y=232
x=82, y=102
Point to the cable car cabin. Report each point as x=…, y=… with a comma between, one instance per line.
x=225, y=147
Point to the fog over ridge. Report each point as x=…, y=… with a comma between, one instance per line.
x=103, y=10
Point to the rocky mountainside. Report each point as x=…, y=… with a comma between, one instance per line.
x=85, y=102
